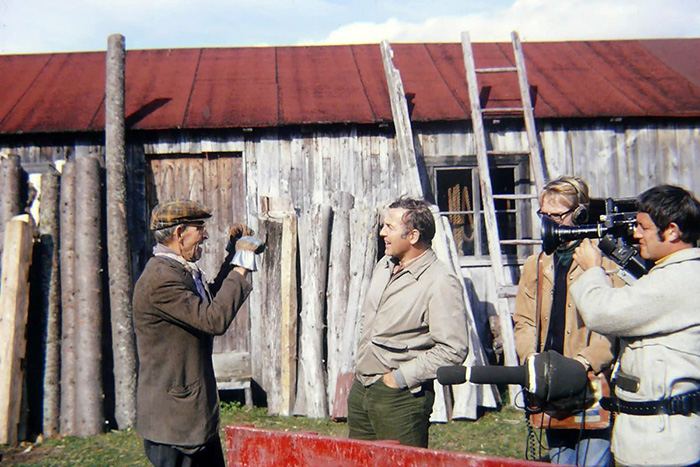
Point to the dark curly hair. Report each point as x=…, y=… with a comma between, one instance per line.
x=669, y=203
x=417, y=216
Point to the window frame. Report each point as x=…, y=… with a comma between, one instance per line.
x=523, y=208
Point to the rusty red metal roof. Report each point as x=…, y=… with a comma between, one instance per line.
x=277, y=86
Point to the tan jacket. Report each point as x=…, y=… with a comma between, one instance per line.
x=578, y=340
x=177, y=402
x=414, y=322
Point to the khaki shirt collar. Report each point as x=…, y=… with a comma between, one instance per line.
x=416, y=266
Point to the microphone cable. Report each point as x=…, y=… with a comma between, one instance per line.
x=533, y=441
x=582, y=428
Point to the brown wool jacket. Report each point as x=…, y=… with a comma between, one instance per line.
x=177, y=401
x=578, y=340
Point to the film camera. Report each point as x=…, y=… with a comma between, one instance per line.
x=615, y=231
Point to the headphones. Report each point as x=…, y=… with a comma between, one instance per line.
x=580, y=214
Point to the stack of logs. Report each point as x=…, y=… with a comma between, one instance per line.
x=16, y=243
x=308, y=365
x=308, y=355
x=67, y=338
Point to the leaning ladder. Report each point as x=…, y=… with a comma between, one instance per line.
x=505, y=289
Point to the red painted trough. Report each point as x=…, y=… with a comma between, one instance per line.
x=249, y=446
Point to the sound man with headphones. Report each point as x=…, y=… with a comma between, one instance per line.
x=546, y=318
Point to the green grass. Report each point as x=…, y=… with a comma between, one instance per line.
x=499, y=433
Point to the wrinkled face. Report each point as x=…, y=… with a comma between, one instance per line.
x=555, y=209
x=190, y=240
x=396, y=242
x=650, y=245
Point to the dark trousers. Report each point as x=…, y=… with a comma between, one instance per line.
x=380, y=412
x=166, y=455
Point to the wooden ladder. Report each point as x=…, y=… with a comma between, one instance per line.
x=503, y=287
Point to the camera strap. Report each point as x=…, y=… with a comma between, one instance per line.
x=538, y=300
x=590, y=418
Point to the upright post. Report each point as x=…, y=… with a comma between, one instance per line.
x=119, y=255
x=14, y=303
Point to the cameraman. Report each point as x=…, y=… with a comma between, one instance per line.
x=658, y=321
x=546, y=319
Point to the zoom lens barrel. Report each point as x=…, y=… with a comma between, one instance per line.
x=554, y=235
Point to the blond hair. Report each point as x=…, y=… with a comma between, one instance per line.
x=570, y=191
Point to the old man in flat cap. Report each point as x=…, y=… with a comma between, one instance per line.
x=176, y=316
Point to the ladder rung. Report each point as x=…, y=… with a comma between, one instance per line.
x=506, y=291
x=501, y=69
x=502, y=110
x=516, y=197
x=522, y=241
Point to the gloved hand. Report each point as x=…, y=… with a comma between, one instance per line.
x=246, y=249
x=237, y=231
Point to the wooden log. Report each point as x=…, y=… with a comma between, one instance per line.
x=313, y=247
x=88, y=298
x=252, y=211
x=14, y=302
x=270, y=317
x=416, y=184
x=467, y=397
x=279, y=303
x=118, y=253
x=278, y=298
x=289, y=310
x=68, y=310
x=50, y=292
x=364, y=223
x=10, y=187
x=338, y=287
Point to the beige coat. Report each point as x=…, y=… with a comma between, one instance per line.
x=415, y=322
x=658, y=321
x=177, y=400
x=578, y=339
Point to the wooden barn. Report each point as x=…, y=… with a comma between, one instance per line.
x=301, y=144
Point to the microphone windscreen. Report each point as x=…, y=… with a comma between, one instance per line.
x=566, y=377
x=456, y=374
x=499, y=375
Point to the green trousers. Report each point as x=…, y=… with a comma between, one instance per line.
x=380, y=412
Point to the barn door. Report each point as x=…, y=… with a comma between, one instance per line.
x=216, y=180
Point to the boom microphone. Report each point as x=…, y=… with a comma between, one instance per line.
x=459, y=374
x=548, y=375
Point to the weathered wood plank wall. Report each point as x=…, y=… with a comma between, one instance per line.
x=617, y=159
x=215, y=179
x=309, y=165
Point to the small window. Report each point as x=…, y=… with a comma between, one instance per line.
x=459, y=199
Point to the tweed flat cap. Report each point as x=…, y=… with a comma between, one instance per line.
x=181, y=211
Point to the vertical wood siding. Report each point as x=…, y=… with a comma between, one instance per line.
x=230, y=170
x=216, y=180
